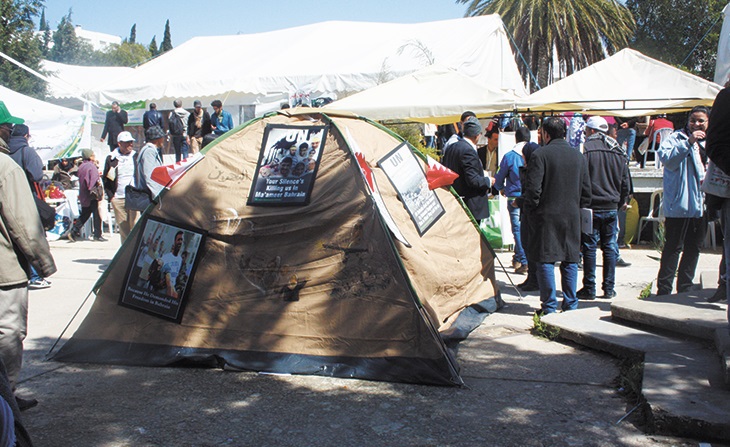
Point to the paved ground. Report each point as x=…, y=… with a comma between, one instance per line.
x=521, y=390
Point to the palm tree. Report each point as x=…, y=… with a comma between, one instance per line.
x=570, y=33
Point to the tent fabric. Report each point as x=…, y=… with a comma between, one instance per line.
x=331, y=59
x=73, y=81
x=722, y=64
x=55, y=131
x=370, y=307
x=434, y=94
x=625, y=84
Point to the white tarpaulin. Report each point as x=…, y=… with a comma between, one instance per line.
x=434, y=94
x=70, y=82
x=722, y=65
x=625, y=84
x=332, y=59
x=56, y=131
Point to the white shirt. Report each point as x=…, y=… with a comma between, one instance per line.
x=125, y=171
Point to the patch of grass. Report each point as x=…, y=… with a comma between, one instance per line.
x=660, y=237
x=540, y=329
x=646, y=291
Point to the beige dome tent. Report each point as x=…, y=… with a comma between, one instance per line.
x=348, y=267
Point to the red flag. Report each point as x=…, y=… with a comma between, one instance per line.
x=439, y=175
x=168, y=175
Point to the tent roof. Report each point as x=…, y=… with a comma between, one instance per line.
x=329, y=58
x=625, y=84
x=76, y=80
x=434, y=94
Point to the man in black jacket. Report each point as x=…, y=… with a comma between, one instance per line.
x=198, y=126
x=114, y=123
x=152, y=117
x=609, y=173
x=472, y=185
x=556, y=188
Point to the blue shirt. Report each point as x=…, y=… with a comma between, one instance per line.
x=508, y=175
x=223, y=122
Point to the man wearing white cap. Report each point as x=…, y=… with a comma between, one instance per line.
x=609, y=173
x=118, y=173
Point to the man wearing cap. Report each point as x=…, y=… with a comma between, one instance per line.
x=114, y=123
x=22, y=243
x=118, y=173
x=472, y=185
x=88, y=174
x=198, y=126
x=556, y=188
x=221, y=121
x=149, y=158
x=609, y=174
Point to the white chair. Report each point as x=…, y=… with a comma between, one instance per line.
x=661, y=135
x=655, y=215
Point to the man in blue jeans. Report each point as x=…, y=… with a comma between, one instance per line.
x=556, y=188
x=507, y=180
x=608, y=170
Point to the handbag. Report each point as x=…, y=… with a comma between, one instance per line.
x=97, y=191
x=136, y=199
x=716, y=182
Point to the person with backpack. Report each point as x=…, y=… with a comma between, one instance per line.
x=178, y=129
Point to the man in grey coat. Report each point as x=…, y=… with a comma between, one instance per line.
x=557, y=186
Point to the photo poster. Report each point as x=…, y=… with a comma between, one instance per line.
x=161, y=273
x=288, y=165
x=408, y=178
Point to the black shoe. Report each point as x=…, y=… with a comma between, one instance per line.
x=720, y=294
x=24, y=404
x=100, y=239
x=621, y=263
x=69, y=234
x=528, y=286
x=584, y=294
x=609, y=295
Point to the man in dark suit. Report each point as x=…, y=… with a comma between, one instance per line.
x=472, y=185
x=557, y=187
x=114, y=123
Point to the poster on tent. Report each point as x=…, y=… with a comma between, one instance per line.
x=288, y=164
x=407, y=176
x=161, y=272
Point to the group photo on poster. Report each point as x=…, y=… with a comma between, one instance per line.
x=287, y=165
x=162, y=269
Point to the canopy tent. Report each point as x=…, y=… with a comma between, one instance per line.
x=71, y=82
x=722, y=64
x=56, y=132
x=329, y=59
x=352, y=268
x=625, y=84
x=434, y=94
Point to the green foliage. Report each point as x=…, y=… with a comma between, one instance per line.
x=125, y=55
x=411, y=132
x=669, y=29
x=67, y=47
x=166, y=44
x=133, y=34
x=660, y=237
x=18, y=40
x=646, y=291
x=154, y=51
x=572, y=33
x=540, y=329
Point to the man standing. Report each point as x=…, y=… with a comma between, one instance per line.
x=221, y=121
x=178, y=127
x=152, y=117
x=149, y=158
x=557, y=187
x=114, y=123
x=118, y=173
x=198, y=126
x=456, y=136
x=22, y=243
x=488, y=154
x=171, y=263
x=472, y=185
x=609, y=174
x=507, y=180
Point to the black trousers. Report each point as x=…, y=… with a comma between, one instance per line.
x=86, y=211
x=683, y=236
x=177, y=144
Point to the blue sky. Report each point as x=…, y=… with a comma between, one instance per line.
x=211, y=18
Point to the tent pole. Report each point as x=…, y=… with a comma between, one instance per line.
x=83, y=303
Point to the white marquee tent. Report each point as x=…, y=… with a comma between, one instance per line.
x=434, y=94
x=625, y=84
x=331, y=59
x=722, y=64
x=71, y=82
x=56, y=131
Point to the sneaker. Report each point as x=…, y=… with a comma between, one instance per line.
x=584, y=294
x=39, y=284
x=720, y=294
x=100, y=239
x=521, y=270
x=609, y=295
x=621, y=263
x=24, y=404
